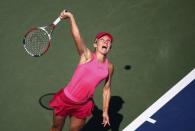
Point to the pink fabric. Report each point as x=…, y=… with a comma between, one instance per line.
x=63, y=106
x=85, y=80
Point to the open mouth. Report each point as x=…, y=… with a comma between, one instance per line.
x=104, y=47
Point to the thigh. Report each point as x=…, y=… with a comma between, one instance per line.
x=58, y=121
x=76, y=123
x=84, y=110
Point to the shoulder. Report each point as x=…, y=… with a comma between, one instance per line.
x=110, y=66
x=86, y=56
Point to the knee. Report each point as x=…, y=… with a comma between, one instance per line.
x=56, y=128
x=75, y=128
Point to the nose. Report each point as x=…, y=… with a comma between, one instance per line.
x=107, y=43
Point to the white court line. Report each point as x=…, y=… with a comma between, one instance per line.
x=151, y=120
x=146, y=115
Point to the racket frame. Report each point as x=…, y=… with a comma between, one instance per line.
x=33, y=29
x=48, y=32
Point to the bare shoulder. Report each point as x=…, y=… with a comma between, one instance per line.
x=111, y=66
x=85, y=56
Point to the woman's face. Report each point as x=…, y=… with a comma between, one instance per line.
x=103, y=45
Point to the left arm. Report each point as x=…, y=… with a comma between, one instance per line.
x=106, y=95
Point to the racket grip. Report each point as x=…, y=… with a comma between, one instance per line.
x=56, y=21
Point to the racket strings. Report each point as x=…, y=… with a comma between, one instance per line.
x=37, y=42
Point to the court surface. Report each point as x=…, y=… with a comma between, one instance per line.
x=153, y=49
x=174, y=111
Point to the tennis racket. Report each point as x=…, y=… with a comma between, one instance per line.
x=45, y=99
x=37, y=40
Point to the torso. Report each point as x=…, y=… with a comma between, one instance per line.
x=85, y=79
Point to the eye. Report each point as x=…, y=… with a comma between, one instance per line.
x=101, y=39
x=108, y=41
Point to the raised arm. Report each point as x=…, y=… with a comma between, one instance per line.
x=79, y=42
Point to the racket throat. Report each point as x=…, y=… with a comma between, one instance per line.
x=48, y=30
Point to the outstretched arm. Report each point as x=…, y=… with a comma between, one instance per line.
x=79, y=42
x=106, y=96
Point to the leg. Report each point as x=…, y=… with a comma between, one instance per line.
x=58, y=123
x=76, y=124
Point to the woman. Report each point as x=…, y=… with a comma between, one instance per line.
x=75, y=100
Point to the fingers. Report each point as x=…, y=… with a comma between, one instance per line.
x=106, y=121
x=65, y=14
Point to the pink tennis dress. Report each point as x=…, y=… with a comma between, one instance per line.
x=80, y=89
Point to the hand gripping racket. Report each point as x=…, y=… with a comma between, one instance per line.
x=38, y=39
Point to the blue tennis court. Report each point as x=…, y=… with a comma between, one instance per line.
x=177, y=114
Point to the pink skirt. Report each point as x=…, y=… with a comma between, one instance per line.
x=63, y=106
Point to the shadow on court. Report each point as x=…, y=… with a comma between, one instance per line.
x=94, y=124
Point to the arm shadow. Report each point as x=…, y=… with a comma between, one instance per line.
x=94, y=124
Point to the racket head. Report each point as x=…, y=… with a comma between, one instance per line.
x=45, y=99
x=37, y=41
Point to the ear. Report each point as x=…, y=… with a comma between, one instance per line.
x=95, y=45
x=95, y=40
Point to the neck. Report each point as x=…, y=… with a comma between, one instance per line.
x=100, y=57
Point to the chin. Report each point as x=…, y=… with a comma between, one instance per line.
x=104, y=53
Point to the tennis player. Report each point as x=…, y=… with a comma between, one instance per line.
x=75, y=99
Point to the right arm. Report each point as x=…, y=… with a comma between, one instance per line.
x=82, y=49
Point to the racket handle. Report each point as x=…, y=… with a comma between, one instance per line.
x=56, y=21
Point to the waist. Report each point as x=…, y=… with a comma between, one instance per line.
x=77, y=98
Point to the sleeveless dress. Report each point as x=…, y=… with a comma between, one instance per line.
x=85, y=80
x=76, y=97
